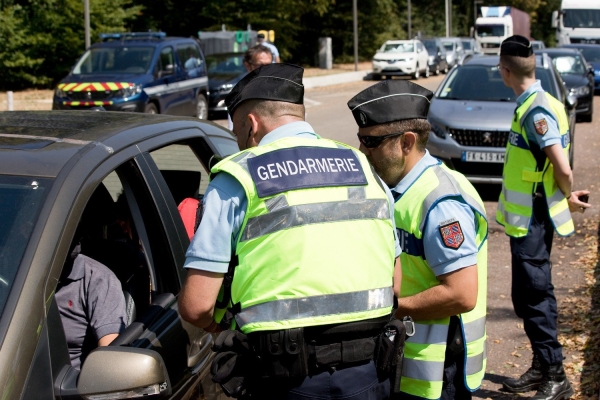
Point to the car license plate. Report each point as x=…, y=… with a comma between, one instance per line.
x=476, y=156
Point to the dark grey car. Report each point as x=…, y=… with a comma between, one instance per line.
x=51, y=166
x=471, y=114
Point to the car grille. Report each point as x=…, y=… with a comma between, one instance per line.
x=477, y=168
x=477, y=138
x=84, y=96
x=490, y=45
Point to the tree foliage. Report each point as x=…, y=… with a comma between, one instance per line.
x=42, y=39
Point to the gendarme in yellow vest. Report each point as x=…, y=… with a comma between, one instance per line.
x=424, y=353
x=316, y=245
x=522, y=175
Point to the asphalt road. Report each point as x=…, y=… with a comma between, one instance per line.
x=507, y=345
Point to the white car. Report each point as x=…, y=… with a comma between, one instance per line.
x=401, y=57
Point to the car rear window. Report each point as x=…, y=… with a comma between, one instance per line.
x=225, y=65
x=484, y=83
x=20, y=202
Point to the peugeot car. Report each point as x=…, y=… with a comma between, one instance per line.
x=470, y=126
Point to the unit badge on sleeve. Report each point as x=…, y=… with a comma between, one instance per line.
x=452, y=234
x=541, y=127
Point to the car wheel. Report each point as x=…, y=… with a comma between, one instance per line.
x=437, y=69
x=376, y=77
x=426, y=72
x=417, y=74
x=150, y=109
x=201, y=107
x=446, y=69
x=586, y=118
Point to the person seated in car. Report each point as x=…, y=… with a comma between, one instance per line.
x=89, y=295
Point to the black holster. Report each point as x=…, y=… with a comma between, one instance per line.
x=284, y=353
x=389, y=352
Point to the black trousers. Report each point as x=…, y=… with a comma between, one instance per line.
x=532, y=290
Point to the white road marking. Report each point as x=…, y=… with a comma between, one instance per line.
x=312, y=102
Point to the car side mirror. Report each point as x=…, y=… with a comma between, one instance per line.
x=123, y=372
x=571, y=102
x=554, y=19
x=168, y=70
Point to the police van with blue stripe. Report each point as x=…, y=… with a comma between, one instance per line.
x=142, y=72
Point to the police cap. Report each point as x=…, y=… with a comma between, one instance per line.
x=277, y=82
x=389, y=101
x=516, y=45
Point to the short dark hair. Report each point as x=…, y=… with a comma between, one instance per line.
x=421, y=127
x=522, y=67
x=254, y=51
x=271, y=108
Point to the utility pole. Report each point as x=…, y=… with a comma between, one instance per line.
x=409, y=22
x=86, y=22
x=448, y=18
x=355, y=15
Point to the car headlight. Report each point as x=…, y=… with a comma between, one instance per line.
x=580, y=91
x=377, y=60
x=226, y=88
x=60, y=93
x=438, y=131
x=131, y=90
x=410, y=58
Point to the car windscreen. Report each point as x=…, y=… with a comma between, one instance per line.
x=225, y=65
x=448, y=45
x=20, y=202
x=398, y=48
x=490, y=30
x=466, y=44
x=569, y=65
x=591, y=53
x=115, y=60
x=581, y=18
x=431, y=47
x=466, y=83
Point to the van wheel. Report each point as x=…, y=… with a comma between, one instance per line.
x=427, y=72
x=376, y=77
x=150, y=109
x=201, y=107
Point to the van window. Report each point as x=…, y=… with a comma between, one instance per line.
x=189, y=56
x=166, y=58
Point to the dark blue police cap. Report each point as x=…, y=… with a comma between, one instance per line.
x=276, y=82
x=389, y=101
x=516, y=45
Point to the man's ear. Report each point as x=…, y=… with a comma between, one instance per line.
x=408, y=142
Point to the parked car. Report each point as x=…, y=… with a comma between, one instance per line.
x=454, y=50
x=51, y=164
x=143, y=72
x=471, y=115
x=437, y=56
x=578, y=76
x=470, y=45
x=591, y=52
x=537, y=45
x=224, y=72
x=401, y=57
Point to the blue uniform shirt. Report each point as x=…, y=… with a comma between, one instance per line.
x=552, y=136
x=440, y=258
x=225, y=205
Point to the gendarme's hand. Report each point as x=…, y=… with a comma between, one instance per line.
x=576, y=205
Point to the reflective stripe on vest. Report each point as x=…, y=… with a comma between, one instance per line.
x=521, y=176
x=293, y=245
x=316, y=306
x=425, y=351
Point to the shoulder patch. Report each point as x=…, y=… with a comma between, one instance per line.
x=541, y=127
x=452, y=234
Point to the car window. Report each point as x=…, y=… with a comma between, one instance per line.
x=419, y=47
x=219, y=64
x=591, y=53
x=133, y=60
x=466, y=44
x=189, y=56
x=408, y=47
x=166, y=58
x=430, y=46
x=465, y=83
x=545, y=77
x=21, y=199
x=571, y=65
x=449, y=46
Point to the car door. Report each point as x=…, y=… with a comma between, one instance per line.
x=166, y=91
x=194, y=75
x=148, y=210
x=423, y=55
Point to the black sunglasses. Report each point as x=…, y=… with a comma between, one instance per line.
x=370, y=142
